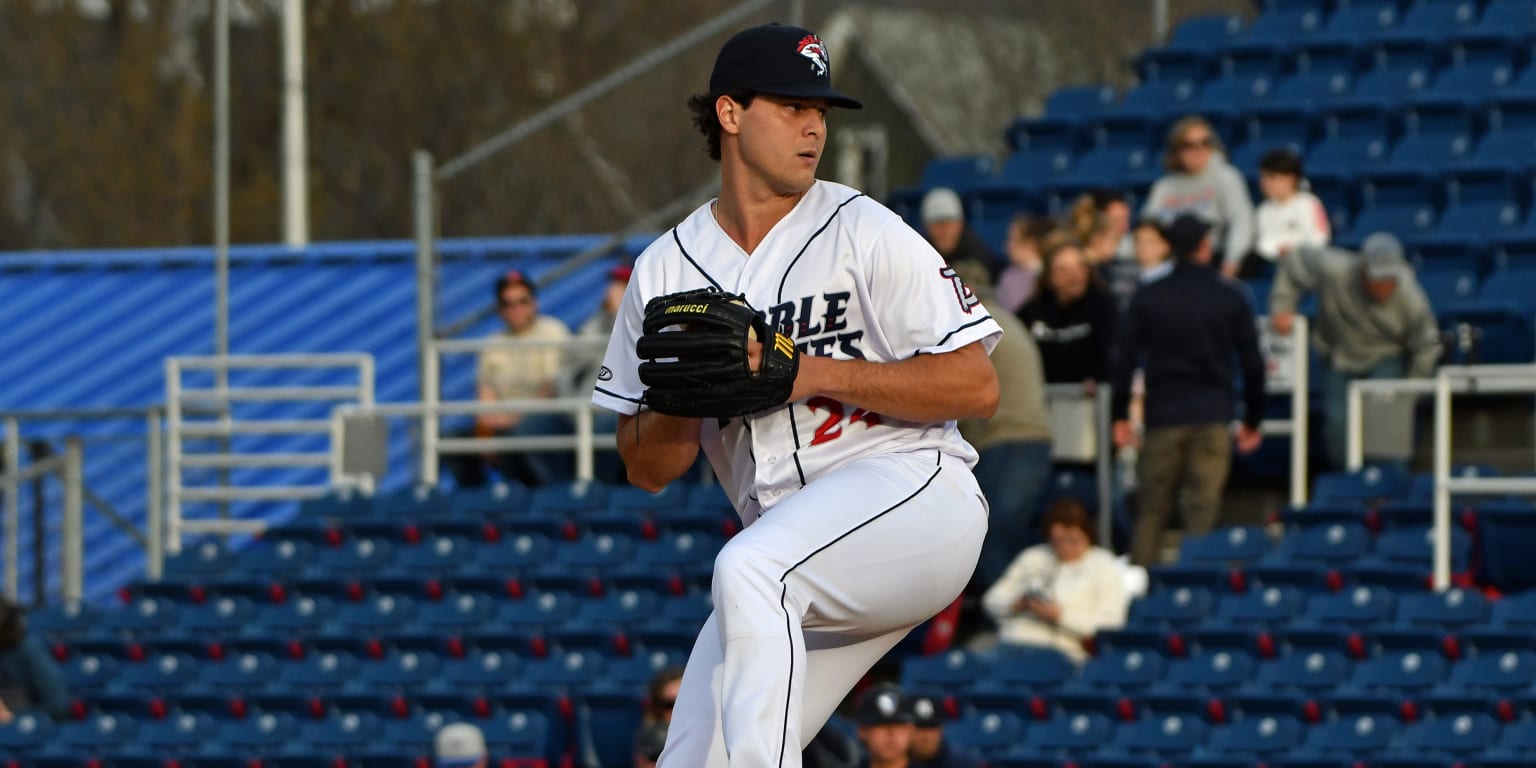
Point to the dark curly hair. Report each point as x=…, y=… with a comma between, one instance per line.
x=702, y=105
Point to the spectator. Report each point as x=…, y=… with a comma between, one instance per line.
x=1373, y=320
x=1072, y=317
x=1015, y=444
x=600, y=324
x=1183, y=332
x=460, y=745
x=833, y=747
x=1290, y=217
x=929, y=749
x=1062, y=592
x=1200, y=181
x=29, y=678
x=507, y=373
x=885, y=728
x=1017, y=282
x=944, y=225
x=1101, y=236
x=650, y=739
x=1152, y=256
x=662, y=695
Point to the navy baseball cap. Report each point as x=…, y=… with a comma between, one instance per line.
x=883, y=705
x=1185, y=233
x=780, y=61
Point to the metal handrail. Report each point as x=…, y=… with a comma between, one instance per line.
x=1103, y=460
x=166, y=535
x=1464, y=380
x=1298, y=425
x=67, y=467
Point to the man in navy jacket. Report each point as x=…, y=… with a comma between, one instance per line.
x=1185, y=332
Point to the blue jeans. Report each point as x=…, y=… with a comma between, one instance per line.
x=1336, y=403
x=532, y=468
x=1013, y=476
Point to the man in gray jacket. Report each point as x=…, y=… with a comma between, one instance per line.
x=1373, y=321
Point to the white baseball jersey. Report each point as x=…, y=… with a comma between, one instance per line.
x=845, y=278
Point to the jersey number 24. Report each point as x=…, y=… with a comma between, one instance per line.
x=832, y=428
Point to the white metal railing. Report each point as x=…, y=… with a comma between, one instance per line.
x=1464, y=380
x=574, y=352
x=66, y=467
x=1472, y=379
x=183, y=401
x=1287, y=365
x=1089, y=442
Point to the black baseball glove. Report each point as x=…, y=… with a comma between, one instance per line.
x=694, y=348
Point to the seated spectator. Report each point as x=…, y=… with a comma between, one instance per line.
x=929, y=749
x=460, y=745
x=1153, y=257
x=1062, y=592
x=505, y=373
x=662, y=695
x=885, y=728
x=1072, y=317
x=944, y=225
x=1101, y=236
x=1016, y=284
x=1290, y=217
x=600, y=324
x=649, y=741
x=30, y=681
x=1112, y=205
x=1373, y=321
x=1202, y=182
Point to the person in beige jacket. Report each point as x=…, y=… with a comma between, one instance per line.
x=1060, y=593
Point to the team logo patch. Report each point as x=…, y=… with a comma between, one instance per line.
x=814, y=49
x=963, y=292
x=604, y=374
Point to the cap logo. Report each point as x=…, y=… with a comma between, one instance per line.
x=811, y=47
x=887, y=704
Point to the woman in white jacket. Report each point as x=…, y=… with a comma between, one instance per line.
x=1060, y=593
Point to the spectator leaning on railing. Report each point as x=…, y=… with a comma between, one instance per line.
x=1373, y=320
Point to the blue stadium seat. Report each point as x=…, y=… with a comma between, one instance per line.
x=165, y=672
x=1286, y=24
x=1216, y=671
x=1079, y=100
x=1481, y=201
x=1502, y=16
x=1400, y=672
x=1515, y=610
x=241, y=671
x=1267, y=605
x=341, y=734
x=1314, y=89
x=639, y=669
x=1234, y=94
x=480, y=669
x=1353, y=607
x=1313, y=670
x=537, y=609
x=1074, y=733
x=619, y=607
x=945, y=670
x=322, y=671
x=519, y=732
x=1452, y=608
x=1460, y=735
x=1122, y=671
x=457, y=612
x=678, y=549
x=605, y=724
x=144, y=615
x=376, y=613
x=436, y=554
x=262, y=732
x=206, y=558
x=1440, y=17
x=300, y=613
x=1445, y=286
x=1498, y=671
x=955, y=172
x=281, y=559
x=1358, y=735
x=1212, y=31
x=569, y=498
x=1363, y=19
x=1027, y=668
x=1174, y=64
x=1046, y=135
x=401, y=670
x=513, y=553
x=63, y=619
x=1415, y=546
x=359, y=557
x=1519, y=738
x=1366, y=485
x=218, y=616
x=1401, y=200
x=1155, y=97
x=600, y=551
x=987, y=732
x=27, y=732
x=1257, y=737
x=1500, y=318
x=178, y=734
x=89, y=671
x=417, y=502
x=492, y=501
x=101, y=732
x=1237, y=544
x=1184, y=605
x=1330, y=543
x=1172, y=735
x=1343, y=156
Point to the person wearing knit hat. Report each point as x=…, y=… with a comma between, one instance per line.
x=1373, y=320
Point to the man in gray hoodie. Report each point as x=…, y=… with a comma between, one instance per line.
x=1373, y=320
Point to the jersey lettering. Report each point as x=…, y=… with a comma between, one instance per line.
x=831, y=428
x=814, y=327
x=963, y=292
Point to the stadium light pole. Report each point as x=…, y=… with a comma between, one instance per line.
x=295, y=142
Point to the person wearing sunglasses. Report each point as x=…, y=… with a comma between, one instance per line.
x=506, y=373
x=1200, y=181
